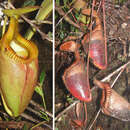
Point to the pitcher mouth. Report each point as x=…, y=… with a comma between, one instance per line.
x=16, y=47
x=20, y=50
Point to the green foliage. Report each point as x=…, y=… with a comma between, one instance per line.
x=43, y=13
x=47, y=6
x=20, y=11
x=62, y=35
x=70, y=100
x=39, y=90
x=65, y=2
x=44, y=116
x=57, y=2
x=120, y=2
x=64, y=28
x=42, y=77
x=50, y=35
x=25, y=127
x=29, y=3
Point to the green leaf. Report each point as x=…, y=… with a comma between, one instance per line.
x=38, y=89
x=42, y=77
x=50, y=35
x=57, y=2
x=25, y=127
x=29, y=3
x=46, y=8
x=20, y=11
x=44, y=116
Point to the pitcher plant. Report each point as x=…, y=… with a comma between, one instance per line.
x=18, y=69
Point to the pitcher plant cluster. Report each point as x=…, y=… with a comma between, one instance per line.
x=19, y=65
x=76, y=76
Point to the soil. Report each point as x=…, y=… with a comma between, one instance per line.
x=118, y=45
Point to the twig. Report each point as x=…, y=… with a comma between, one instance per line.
x=12, y=124
x=66, y=109
x=95, y=119
x=125, y=46
x=103, y=80
x=114, y=72
x=41, y=22
x=33, y=120
x=28, y=117
x=91, y=33
x=43, y=35
x=15, y=125
x=41, y=123
x=62, y=13
x=99, y=6
x=18, y=125
x=89, y=40
x=118, y=76
x=40, y=108
x=59, y=9
x=34, y=111
x=104, y=23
